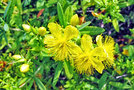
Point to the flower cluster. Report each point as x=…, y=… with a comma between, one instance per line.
x=95, y=57
x=59, y=41
x=87, y=57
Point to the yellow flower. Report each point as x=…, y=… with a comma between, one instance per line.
x=89, y=59
x=59, y=42
x=107, y=45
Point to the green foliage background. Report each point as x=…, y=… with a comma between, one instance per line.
x=45, y=73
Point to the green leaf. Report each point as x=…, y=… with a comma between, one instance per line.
x=83, y=25
x=93, y=79
x=27, y=2
x=26, y=81
x=131, y=51
x=105, y=2
x=128, y=36
x=123, y=4
x=92, y=30
x=102, y=82
x=60, y=14
x=40, y=3
x=120, y=85
x=132, y=30
x=50, y=3
x=4, y=34
x=2, y=11
x=115, y=24
x=39, y=84
x=7, y=8
x=57, y=73
x=99, y=2
x=30, y=84
x=131, y=2
x=68, y=13
x=22, y=81
x=19, y=5
x=120, y=17
x=117, y=49
x=68, y=69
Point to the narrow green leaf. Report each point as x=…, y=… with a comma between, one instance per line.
x=60, y=14
x=50, y=3
x=68, y=69
x=39, y=84
x=92, y=30
x=19, y=5
x=131, y=51
x=93, y=79
x=120, y=85
x=120, y=17
x=117, y=49
x=30, y=84
x=68, y=13
x=22, y=81
x=128, y=36
x=38, y=70
x=57, y=73
x=19, y=16
x=99, y=2
x=4, y=34
x=25, y=83
x=115, y=24
x=83, y=25
x=102, y=81
x=105, y=2
x=7, y=8
x=123, y=4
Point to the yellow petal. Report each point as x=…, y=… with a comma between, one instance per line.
x=70, y=32
x=86, y=43
x=74, y=49
x=55, y=29
x=109, y=41
x=65, y=50
x=99, y=40
x=99, y=53
x=49, y=40
x=98, y=66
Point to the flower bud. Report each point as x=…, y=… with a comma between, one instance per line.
x=16, y=57
x=74, y=20
x=42, y=31
x=125, y=52
x=26, y=27
x=24, y=68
